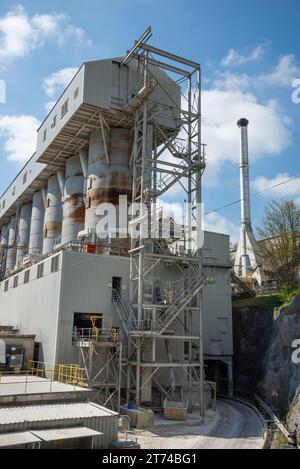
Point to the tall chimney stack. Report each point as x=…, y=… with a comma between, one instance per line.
x=245, y=194
x=246, y=258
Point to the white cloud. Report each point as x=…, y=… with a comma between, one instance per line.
x=234, y=58
x=269, y=133
x=232, y=81
x=19, y=136
x=20, y=33
x=55, y=83
x=220, y=224
x=289, y=190
x=285, y=72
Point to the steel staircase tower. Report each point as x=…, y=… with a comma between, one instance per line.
x=163, y=156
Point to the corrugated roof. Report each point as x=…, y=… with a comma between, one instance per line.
x=45, y=412
x=65, y=433
x=19, y=438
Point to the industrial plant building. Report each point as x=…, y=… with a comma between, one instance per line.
x=147, y=317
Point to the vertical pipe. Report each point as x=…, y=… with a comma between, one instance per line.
x=73, y=204
x=37, y=224
x=200, y=260
x=53, y=215
x=24, y=232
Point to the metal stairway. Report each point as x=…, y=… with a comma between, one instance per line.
x=235, y=279
x=171, y=312
x=124, y=311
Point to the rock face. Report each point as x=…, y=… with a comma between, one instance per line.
x=281, y=374
x=252, y=332
x=263, y=355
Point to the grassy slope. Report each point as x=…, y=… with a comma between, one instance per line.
x=263, y=302
x=276, y=300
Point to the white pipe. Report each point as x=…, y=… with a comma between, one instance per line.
x=245, y=193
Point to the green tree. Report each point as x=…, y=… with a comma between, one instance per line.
x=280, y=242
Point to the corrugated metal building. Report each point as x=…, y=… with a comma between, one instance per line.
x=53, y=417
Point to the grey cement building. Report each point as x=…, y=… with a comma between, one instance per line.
x=55, y=273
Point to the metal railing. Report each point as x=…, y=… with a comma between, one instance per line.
x=47, y=373
x=96, y=335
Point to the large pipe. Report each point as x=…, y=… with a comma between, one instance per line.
x=73, y=205
x=245, y=193
x=37, y=224
x=12, y=245
x=24, y=232
x=53, y=215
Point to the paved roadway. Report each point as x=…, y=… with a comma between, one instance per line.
x=234, y=426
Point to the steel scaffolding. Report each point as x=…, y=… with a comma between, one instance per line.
x=100, y=356
x=163, y=156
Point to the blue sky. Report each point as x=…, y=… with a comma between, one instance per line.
x=250, y=55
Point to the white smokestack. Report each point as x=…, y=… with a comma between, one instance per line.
x=245, y=193
x=247, y=260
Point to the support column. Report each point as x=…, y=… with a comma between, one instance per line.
x=73, y=204
x=24, y=232
x=37, y=224
x=12, y=245
x=53, y=215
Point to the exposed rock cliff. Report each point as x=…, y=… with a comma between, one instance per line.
x=263, y=355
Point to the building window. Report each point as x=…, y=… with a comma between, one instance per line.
x=45, y=135
x=16, y=281
x=54, y=264
x=65, y=108
x=53, y=125
x=26, y=276
x=90, y=183
x=45, y=232
x=24, y=177
x=76, y=92
x=88, y=202
x=3, y=204
x=14, y=191
x=48, y=202
x=6, y=285
x=40, y=270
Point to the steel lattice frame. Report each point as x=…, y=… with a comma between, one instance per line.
x=152, y=177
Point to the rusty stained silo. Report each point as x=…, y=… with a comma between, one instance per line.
x=37, y=224
x=107, y=181
x=73, y=203
x=53, y=215
x=24, y=231
x=4, y=243
x=12, y=245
